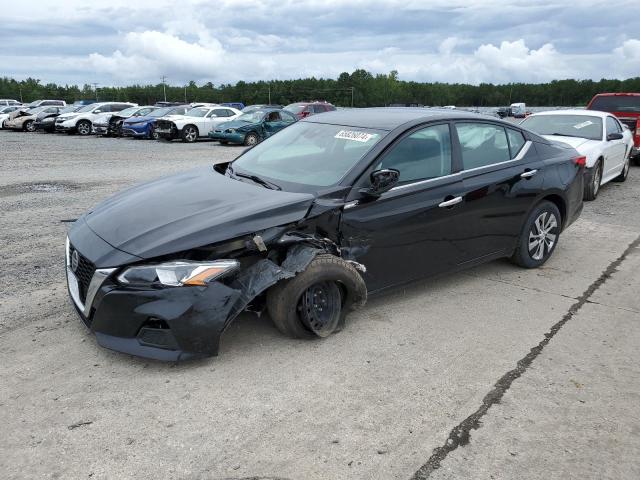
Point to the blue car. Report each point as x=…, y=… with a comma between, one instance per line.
x=144, y=127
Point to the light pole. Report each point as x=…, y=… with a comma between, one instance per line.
x=95, y=89
x=164, y=87
x=352, y=89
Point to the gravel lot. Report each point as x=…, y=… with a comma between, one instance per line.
x=493, y=373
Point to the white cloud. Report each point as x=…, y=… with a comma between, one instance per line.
x=156, y=53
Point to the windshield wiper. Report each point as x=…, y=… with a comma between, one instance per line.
x=565, y=135
x=253, y=178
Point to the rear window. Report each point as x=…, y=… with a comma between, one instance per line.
x=616, y=103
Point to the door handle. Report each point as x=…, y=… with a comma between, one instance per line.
x=450, y=203
x=528, y=174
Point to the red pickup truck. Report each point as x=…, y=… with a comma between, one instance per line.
x=625, y=106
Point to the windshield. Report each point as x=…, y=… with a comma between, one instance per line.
x=128, y=111
x=294, y=108
x=617, y=103
x=253, y=117
x=88, y=108
x=197, y=112
x=68, y=109
x=583, y=126
x=315, y=154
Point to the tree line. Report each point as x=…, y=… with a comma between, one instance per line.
x=358, y=89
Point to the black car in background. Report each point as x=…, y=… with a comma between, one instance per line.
x=309, y=222
x=46, y=121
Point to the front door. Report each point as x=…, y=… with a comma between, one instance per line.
x=409, y=232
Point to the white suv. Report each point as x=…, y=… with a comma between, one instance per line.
x=82, y=120
x=197, y=122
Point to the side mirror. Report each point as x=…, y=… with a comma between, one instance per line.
x=97, y=111
x=381, y=181
x=614, y=136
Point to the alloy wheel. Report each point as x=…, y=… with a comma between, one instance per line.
x=84, y=128
x=543, y=235
x=251, y=140
x=597, y=178
x=30, y=126
x=190, y=134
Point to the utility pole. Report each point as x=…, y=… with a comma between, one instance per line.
x=164, y=87
x=185, y=94
x=352, y=89
x=95, y=89
x=269, y=93
x=20, y=94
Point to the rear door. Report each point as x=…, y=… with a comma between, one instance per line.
x=408, y=232
x=502, y=176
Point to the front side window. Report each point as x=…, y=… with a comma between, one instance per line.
x=482, y=144
x=424, y=154
x=312, y=154
x=197, y=112
x=273, y=117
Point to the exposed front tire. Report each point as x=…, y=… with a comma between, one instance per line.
x=539, y=236
x=251, y=139
x=189, y=134
x=625, y=171
x=153, y=134
x=593, y=177
x=29, y=126
x=83, y=127
x=313, y=303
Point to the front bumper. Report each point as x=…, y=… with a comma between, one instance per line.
x=174, y=323
x=133, y=130
x=221, y=136
x=101, y=129
x=68, y=126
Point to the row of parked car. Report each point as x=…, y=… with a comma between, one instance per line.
x=607, y=132
x=227, y=123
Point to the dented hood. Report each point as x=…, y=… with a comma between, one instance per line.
x=189, y=210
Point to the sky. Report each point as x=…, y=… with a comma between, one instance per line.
x=121, y=42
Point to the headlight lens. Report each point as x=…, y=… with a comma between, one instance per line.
x=231, y=130
x=178, y=273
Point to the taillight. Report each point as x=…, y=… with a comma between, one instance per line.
x=636, y=134
x=580, y=161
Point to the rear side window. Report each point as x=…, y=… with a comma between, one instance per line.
x=612, y=126
x=422, y=155
x=516, y=142
x=482, y=144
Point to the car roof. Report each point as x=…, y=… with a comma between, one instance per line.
x=388, y=118
x=618, y=94
x=574, y=111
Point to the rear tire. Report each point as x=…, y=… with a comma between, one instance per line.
x=314, y=302
x=189, y=134
x=594, y=176
x=83, y=127
x=625, y=171
x=539, y=236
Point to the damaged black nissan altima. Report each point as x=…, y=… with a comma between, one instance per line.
x=307, y=223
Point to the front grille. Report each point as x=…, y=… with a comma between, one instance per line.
x=84, y=273
x=164, y=124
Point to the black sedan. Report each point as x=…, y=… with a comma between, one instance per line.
x=308, y=223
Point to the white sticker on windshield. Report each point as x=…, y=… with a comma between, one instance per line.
x=355, y=136
x=583, y=124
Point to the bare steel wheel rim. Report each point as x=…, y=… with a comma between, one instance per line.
x=597, y=177
x=84, y=128
x=319, y=308
x=191, y=134
x=543, y=235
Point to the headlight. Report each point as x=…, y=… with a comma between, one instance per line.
x=70, y=117
x=231, y=130
x=178, y=273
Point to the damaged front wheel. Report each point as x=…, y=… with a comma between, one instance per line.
x=315, y=302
